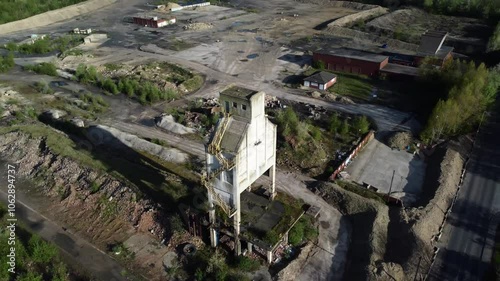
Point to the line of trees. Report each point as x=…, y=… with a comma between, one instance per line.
x=145, y=92
x=483, y=9
x=46, y=45
x=470, y=91
x=16, y=10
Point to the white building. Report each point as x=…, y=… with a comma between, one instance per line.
x=242, y=148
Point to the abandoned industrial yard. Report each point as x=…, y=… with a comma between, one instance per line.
x=303, y=140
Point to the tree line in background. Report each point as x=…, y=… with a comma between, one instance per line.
x=482, y=9
x=16, y=10
x=470, y=90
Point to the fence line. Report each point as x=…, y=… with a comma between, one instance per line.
x=353, y=154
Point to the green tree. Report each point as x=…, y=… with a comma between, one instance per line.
x=344, y=128
x=361, y=125
x=334, y=123
x=41, y=251
x=494, y=42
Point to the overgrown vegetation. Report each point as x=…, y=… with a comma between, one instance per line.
x=36, y=259
x=494, y=42
x=311, y=144
x=6, y=62
x=145, y=92
x=17, y=10
x=469, y=89
x=43, y=88
x=46, y=68
x=303, y=230
x=47, y=45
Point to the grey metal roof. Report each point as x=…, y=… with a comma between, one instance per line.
x=239, y=92
x=431, y=42
x=234, y=135
x=353, y=54
x=400, y=69
x=322, y=77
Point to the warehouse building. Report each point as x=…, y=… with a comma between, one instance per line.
x=431, y=46
x=152, y=21
x=351, y=61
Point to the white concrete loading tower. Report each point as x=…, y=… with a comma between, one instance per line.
x=242, y=148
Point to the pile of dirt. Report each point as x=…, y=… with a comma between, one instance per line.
x=340, y=4
x=293, y=269
x=198, y=26
x=110, y=136
x=168, y=123
x=369, y=220
x=168, y=7
x=400, y=140
x=361, y=16
x=95, y=204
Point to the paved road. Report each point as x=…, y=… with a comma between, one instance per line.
x=468, y=237
x=83, y=253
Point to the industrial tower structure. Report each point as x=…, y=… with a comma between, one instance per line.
x=242, y=148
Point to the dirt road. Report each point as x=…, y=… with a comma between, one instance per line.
x=83, y=253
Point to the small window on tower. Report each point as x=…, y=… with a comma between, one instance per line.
x=235, y=105
x=244, y=107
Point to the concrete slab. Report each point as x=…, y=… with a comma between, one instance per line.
x=376, y=164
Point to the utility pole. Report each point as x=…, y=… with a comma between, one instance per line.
x=390, y=187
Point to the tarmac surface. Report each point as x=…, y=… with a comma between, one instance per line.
x=88, y=257
x=376, y=164
x=467, y=242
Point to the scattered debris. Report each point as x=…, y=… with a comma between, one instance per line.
x=78, y=122
x=273, y=102
x=54, y=114
x=198, y=26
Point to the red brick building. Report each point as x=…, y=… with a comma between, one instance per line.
x=352, y=61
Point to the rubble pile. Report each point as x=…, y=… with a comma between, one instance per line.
x=273, y=102
x=168, y=123
x=198, y=26
x=315, y=112
x=400, y=140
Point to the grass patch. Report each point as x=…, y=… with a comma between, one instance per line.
x=17, y=10
x=113, y=66
x=303, y=230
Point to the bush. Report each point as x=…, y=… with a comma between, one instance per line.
x=361, y=125
x=335, y=123
x=344, y=128
x=247, y=264
x=319, y=64
x=316, y=133
x=6, y=63
x=46, y=68
x=43, y=87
